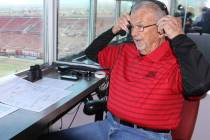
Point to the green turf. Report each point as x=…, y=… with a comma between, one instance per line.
x=11, y=65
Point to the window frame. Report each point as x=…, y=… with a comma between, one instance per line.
x=92, y=15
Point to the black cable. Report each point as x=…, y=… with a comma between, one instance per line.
x=61, y=126
x=72, y=112
x=75, y=115
x=48, y=128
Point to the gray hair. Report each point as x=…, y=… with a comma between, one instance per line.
x=149, y=4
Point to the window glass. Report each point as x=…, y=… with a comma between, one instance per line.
x=105, y=15
x=125, y=7
x=21, y=35
x=195, y=15
x=72, y=28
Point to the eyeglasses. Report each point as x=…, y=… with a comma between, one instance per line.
x=140, y=28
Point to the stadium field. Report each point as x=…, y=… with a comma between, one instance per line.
x=11, y=65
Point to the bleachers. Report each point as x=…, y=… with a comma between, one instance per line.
x=15, y=24
x=25, y=33
x=20, y=24
x=4, y=21
x=20, y=34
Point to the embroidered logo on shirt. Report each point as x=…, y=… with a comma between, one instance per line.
x=151, y=74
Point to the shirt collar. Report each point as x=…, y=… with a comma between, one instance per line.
x=158, y=53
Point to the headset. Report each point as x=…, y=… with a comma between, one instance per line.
x=160, y=4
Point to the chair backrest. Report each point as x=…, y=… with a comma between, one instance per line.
x=188, y=119
x=202, y=42
x=190, y=108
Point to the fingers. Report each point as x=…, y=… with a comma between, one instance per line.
x=171, y=25
x=167, y=21
x=169, y=18
x=121, y=24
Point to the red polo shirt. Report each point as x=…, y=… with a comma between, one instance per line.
x=144, y=90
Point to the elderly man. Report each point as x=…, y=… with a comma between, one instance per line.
x=146, y=86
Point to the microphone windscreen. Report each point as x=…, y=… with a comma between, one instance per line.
x=122, y=33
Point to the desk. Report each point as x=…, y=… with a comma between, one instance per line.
x=23, y=124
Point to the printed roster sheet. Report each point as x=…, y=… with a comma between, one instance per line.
x=6, y=109
x=20, y=93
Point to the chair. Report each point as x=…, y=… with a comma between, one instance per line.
x=188, y=119
x=190, y=108
x=202, y=42
x=97, y=107
x=183, y=132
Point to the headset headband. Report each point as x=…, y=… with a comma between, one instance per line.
x=160, y=4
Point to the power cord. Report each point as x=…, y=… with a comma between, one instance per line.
x=72, y=111
x=61, y=126
x=75, y=115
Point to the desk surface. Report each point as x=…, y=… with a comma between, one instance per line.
x=24, y=124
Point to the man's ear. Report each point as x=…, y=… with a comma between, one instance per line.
x=161, y=33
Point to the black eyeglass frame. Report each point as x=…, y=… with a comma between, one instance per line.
x=143, y=27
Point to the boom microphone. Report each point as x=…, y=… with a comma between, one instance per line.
x=122, y=33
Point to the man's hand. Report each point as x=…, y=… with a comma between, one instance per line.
x=170, y=26
x=121, y=24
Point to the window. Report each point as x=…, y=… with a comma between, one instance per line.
x=21, y=35
x=105, y=15
x=125, y=7
x=72, y=28
x=195, y=15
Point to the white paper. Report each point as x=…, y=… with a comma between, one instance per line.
x=6, y=109
x=56, y=83
x=6, y=79
x=23, y=94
